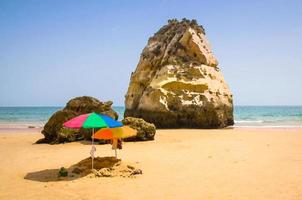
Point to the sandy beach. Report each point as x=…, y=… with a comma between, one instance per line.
x=179, y=164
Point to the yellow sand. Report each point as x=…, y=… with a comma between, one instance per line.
x=180, y=164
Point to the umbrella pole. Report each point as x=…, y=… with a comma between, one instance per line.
x=115, y=154
x=92, y=147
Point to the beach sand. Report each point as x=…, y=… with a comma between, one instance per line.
x=178, y=164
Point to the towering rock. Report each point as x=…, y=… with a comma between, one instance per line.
x=177, y=83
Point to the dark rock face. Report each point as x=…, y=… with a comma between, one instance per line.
x=54, y=132
x=145, y=131
x=177, y=82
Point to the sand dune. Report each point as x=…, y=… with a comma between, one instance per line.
x=179, y=164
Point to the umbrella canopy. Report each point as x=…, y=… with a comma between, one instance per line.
x=115, y=133
x=92, y=120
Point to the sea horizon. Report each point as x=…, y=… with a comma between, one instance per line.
x=249, y=116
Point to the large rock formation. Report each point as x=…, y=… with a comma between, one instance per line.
x=177, y=83
x=54, y=132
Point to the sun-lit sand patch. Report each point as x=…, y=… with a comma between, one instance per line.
x=179, y=164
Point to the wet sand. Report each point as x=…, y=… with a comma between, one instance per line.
x=178, y=164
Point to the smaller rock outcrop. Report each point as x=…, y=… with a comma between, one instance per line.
x=54, y=132
x=105, y=167
x=145, y=131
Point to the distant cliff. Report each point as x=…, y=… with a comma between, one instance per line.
x=177, y=83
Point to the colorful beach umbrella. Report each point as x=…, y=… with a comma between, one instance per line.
x=92, y=120
x=114, y=134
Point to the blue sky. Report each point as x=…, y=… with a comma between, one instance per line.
x=51, y=51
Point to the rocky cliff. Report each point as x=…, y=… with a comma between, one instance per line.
x=177, y=82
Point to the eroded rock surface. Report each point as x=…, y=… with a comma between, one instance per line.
x=177, y=82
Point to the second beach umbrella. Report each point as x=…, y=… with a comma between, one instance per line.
x=114, y=134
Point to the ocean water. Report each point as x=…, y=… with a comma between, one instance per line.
x=268, y=116
x=245, y=116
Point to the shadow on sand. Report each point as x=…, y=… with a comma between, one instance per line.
x=81, y=169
